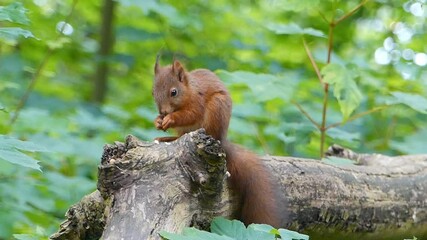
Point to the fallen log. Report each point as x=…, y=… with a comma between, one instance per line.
x=147, y=187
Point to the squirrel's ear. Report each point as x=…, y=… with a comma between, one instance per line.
x=156, y=66
x=178, y=69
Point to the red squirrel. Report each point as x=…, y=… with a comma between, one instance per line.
x=188, y=101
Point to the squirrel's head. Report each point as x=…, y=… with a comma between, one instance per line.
x=170, y=85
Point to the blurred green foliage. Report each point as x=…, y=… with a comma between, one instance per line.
x=378, y=61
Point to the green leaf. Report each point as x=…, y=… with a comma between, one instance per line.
x=15, y=13
x=345, y=89
x=203, y=235
x=38, y=234
x=16, y=157
x=294, y=29
x=261, y=231
x=25, y=237
x=414, y=101
x=261, y=227
x=9, y=152
x=264, y=86
x=337, y=161
x=230, y=228
x=193, y=234
x=13, y=33
x=291, y=235
x=9, y=143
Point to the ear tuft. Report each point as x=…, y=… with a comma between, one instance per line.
x=179, y=70
x=157, y=66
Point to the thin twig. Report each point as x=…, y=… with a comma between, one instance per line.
x=323, y=124
x=354, y=117
x=342, y=18
x=330, y=41
x=263, y=142
x=323, y=17
x=30, y=88
x=313, y=63
x=306, y=114
x=39, y=70
x=326, y=91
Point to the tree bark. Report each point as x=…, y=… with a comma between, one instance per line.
x=148, y=187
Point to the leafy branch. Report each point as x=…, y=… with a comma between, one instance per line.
x=322, y=126
x=306, y=114
x=359, y=115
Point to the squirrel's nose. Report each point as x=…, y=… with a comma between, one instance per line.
x=163, y=112
x=165, y=109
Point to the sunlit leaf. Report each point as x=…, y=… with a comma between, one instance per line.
x=292, y=235
x=345, y=89
x=294, y=29
x=13, y=33
x=15, y=13
x=261, y=231
x=414, y=101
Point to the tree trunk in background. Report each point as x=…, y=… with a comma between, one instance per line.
x=105, y=49
x=148, y=187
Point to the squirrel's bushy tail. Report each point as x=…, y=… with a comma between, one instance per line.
x=252, y=181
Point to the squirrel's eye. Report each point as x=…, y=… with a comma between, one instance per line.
x=174, y=92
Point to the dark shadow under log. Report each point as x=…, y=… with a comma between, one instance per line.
x=147, y=187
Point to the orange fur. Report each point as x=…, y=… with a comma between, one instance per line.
x=202, y=100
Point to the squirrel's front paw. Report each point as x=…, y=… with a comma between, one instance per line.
x=158, y=122
x=167, y=122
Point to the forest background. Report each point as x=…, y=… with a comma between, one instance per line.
x=75, y=75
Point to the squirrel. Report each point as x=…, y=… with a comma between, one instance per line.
x=197, y=99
